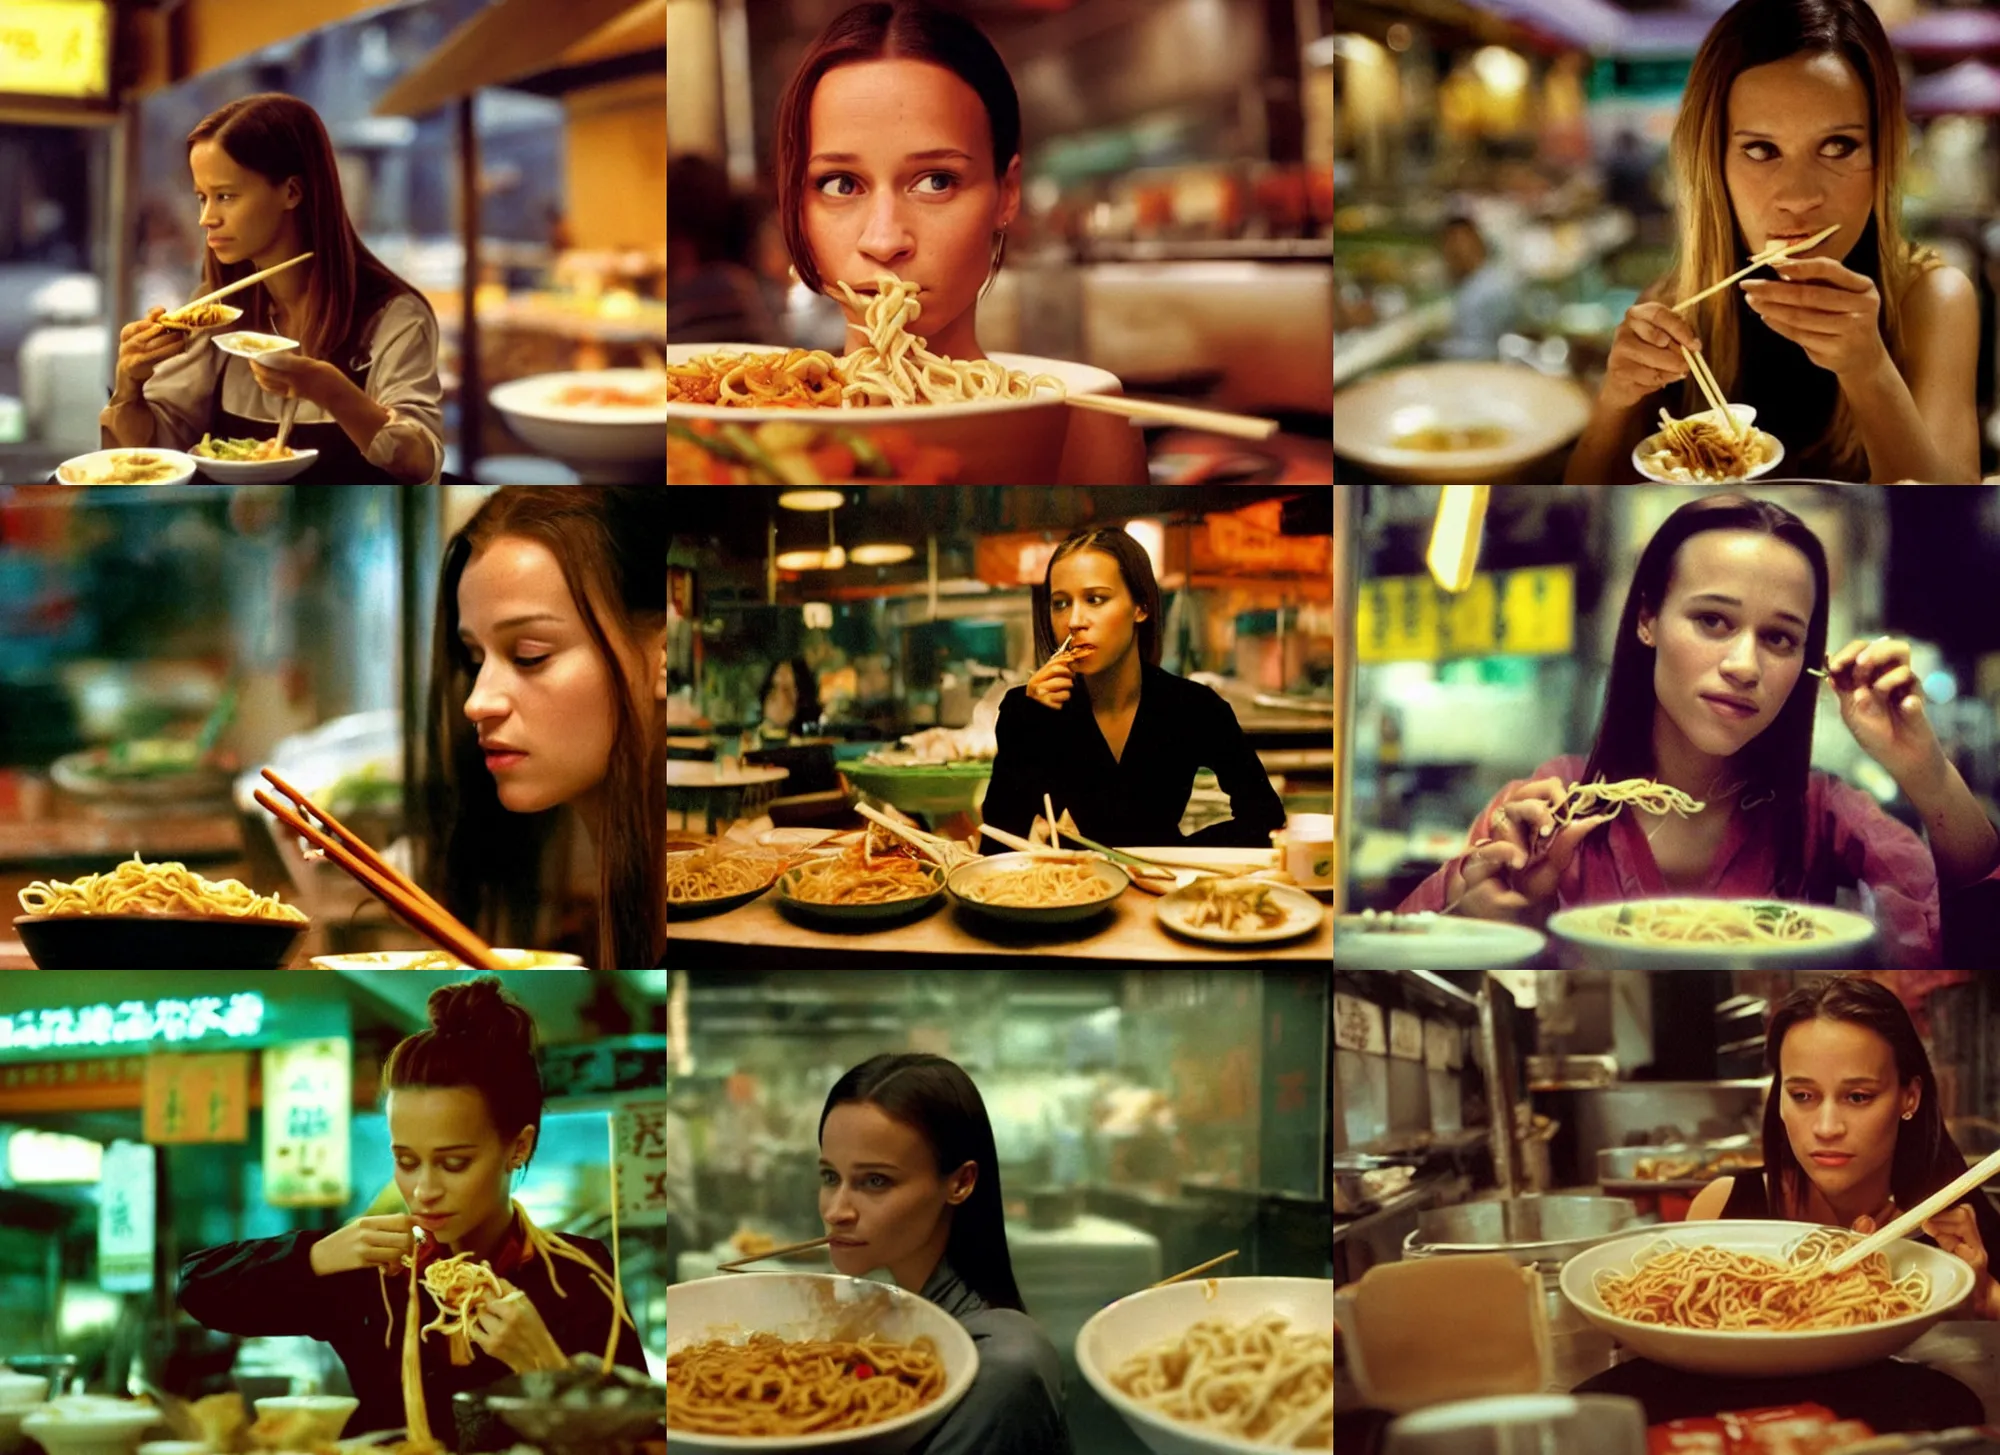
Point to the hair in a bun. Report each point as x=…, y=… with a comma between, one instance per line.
x=479, y=1037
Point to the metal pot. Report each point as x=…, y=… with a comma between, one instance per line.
x=1530, y=1230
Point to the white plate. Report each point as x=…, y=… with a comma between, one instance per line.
x=230, y=310
x=816, y=1305
x=1433, y=942
x=1582, y=944
x=1747, y=413
x=1752, y=1353
x=96, y=460
x=407, y=959
x=1302, y=916
x=256, y=472
x=1540, y=414
x=1140, y=1320
x=235, y=343
x=580, y=433
x=791, y=840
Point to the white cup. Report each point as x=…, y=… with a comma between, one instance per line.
x=1305, y=849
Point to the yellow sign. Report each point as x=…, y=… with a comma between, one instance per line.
x=197, y=1098
x=55, y=48
x=1527, y=613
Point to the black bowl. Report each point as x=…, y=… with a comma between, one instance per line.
x=158, y=941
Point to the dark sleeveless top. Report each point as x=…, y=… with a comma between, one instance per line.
x=1748, y=1198
x=340, y=461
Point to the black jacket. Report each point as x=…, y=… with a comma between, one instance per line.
x=1136, y=800
x=267, y=1286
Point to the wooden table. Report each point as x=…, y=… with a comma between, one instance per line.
x=696, y=785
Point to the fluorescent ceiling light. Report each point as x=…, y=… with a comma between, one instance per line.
x=887, y=554
x=812, y=500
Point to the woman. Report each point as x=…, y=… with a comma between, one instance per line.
x=365, y=374
x=910, y=1182
x=899, y=151
x=1709, y=693
x=1853, y=1132
x=549, y=688
x=1861, y=355
x=1102, y=731
x=464, y=1106
x=789, y=698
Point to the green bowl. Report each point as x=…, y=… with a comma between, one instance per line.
x=934, y=788
x=847, y=916
x=998, y=866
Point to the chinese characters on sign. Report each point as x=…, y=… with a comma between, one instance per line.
x=308, y=1099
x=641, y=1129
x=204, y=1017
x=201, y=1097
x=126, y=1219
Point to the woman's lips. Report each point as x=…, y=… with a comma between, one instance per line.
x=433, y=1220
x=500, y=759
x=1833, y=1159
x=847, y=1242
x=1734, y=711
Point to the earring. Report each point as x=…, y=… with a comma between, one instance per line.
x=1908, y=1114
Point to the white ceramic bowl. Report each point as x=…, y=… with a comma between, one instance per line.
x=80, y=470
x=996, y=441
x=177, y=1447
x=1432, y=942
x=586, y=435
x=1539, y=414
x=1582, y=942
x=1140, y=1320
x=256, y=472
x=328, y=1412
x=249, y=344
x=814, y=1305
x=89, y=1424
x=1774, y=448
x=18, y=1389
x=408, y=960
x=1756, y=1354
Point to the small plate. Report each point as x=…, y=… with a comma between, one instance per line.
x=229, y=314
x=84, y=468
x=1303, y=914
x=1774, y=448
x=240, y=343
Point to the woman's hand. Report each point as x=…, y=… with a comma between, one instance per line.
x=1646, y=354
x=1883, y=706
x=1513, y=873
x=142, y=347
x=510, y=1328
x=1956, y=1231
x=1828, y=310
x=1051, y=686
x=290, y=375
x=378, y=1242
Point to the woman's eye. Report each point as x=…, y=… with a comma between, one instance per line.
x=1849, y=146
x=1756, y=150
x=531, y=661
x=1704, y=618
x=820, y=185
x=1781, y=642
x=877, y=1180
x=950, y=180
x=829, y=1179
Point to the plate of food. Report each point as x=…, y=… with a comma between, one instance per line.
x=250, y=461
x=1037, y=888
x=1375, y=941
x=146, y=916
x=1468, y=421
x=1691, y=932
x=247, y=344
x=860, y=885
x=128, y=466
x=1240, y=911
x=807, y=1330
x=1704, y=450
x=197, y=318
x=717, y=878
x=589, y=417
x=141, y=770
x=1745, y=1298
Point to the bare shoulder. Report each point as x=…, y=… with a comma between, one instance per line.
x=1936, y=291
x=1711, y=1200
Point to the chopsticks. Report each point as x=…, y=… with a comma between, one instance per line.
x=1910, y=1221
x=405, y=898
x=1197, y=1269
x=931, y=844
x=1698, y=366
x=286, y=414
x=736, y=1264
x=1762, y=260
x=229, y=288
x=1026, y=846
x=1214, y=421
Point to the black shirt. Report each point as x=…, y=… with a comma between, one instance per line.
x=1748, y=1198
x=1179, y=728
x=267, y=1286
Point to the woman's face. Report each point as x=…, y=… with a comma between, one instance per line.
x=1842, y=1103
x=781, y=702
x=1729, y=639
x=451, y=1166
x=242, y=213
x=880, y=1194
x=543, y=697
x=1089, y=602
x=900, y=179
x=1799, y=153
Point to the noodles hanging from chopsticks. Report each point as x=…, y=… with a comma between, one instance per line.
x=1586, y=799
x=896, y=368
x=1702, y=452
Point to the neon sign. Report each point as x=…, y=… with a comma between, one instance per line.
x=135, y=1022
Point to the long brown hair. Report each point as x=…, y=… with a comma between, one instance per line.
x=881, y=30
x=1134, y=566
x=1757, y=33
x=279, y=136
x=611, y=542
x=481, y=1037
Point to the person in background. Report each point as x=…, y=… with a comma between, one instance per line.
x=1484, y=290
x=790, y=698
x=711, y=296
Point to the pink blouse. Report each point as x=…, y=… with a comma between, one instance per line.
x=1849, y=842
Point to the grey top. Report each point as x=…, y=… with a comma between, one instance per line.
x=1015, y=1404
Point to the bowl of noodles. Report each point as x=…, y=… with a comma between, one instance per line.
x=865, y=1368
x=717, y=878
x=1717, y=934
x=1183, y=1365
x=145, y=916
x=594, y=419
x=858, y=886
x=1746, y=1298
x=146, y=466
x=1037, y=889
x=1465, y=421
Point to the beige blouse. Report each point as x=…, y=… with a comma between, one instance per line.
x=403, y=379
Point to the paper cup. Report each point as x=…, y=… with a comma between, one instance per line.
x=1305, y=849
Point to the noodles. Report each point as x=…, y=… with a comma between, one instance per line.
x=1711, y=922
x=1586, y=799
x=1043, y=884
x=1705, y=1287
x=136, y=887
x=1703, y=452
x=798, y=379
x=1262, y=1381
x=713, y=873
x=462, y=1287
x=895, y=368
x=857, y=877
x=773, y=1386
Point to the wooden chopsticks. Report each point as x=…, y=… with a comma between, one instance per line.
x=736, y=1264
x=1198, y=1269
x=1214, y=421
x=405, y=898
x=1909, y=1222
x=229, y=288
x=1761, y=260
x=1698, y=366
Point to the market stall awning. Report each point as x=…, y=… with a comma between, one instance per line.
x=511, y=39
